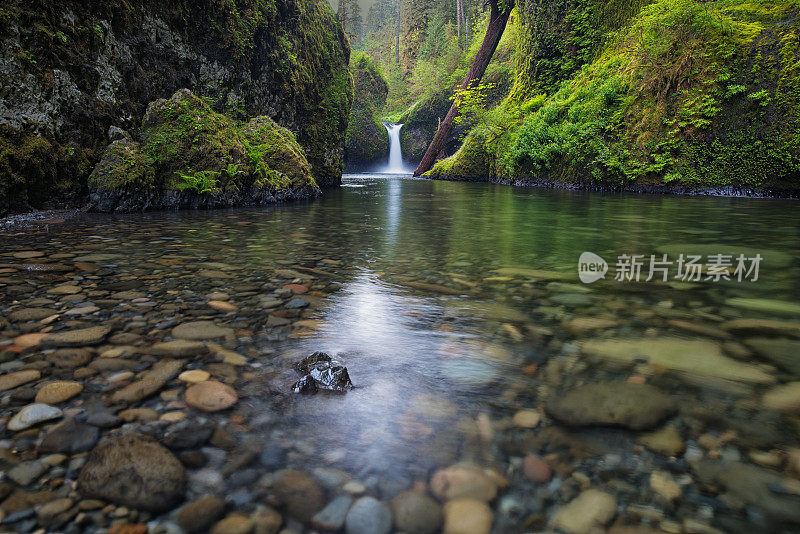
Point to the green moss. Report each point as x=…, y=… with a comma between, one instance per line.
x=704, y=94
x=34, y=171
x=367, y=140
x=287, y=58
x=187, y=145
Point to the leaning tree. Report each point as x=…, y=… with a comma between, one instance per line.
x=498, y=17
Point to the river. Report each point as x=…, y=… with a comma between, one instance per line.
x=459, y=313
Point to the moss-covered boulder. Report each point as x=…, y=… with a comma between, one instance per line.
x=71, y=70
x=367, y=142
x=687, y=96
x=191, y=156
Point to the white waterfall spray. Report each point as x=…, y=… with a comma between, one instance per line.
x=395, y=164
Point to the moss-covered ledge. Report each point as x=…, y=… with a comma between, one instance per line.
x=189, y=156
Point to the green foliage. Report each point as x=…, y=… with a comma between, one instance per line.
x=200, y=182
x=696, y=93
x=366, y=141
x=187, y=146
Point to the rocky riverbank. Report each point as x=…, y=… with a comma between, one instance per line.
x=147, y=376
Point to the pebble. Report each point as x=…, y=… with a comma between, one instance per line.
x=467, y=516
x=536, y=470
x=135, y=471
x=463, y=481
x=18, y=378
x=416, y=513
x=233, y=524
x=77, y=338
x=666, y=441
x=194, y=376
x=300, y=493
x=332, y=517
x=368, y=516
x=60, y=391
x=592, y=508
x=785, y=398
x=26, y=472
x=634, y=406
x=200, y=331
x=179, y=348
x=138, y=390
x=663, y=484
x=527, y=419
x=222, y=306
x=211, y=396
x=33, y=414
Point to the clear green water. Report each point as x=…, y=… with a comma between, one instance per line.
x=443, y=295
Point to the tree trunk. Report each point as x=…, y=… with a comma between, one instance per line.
x=466, y=27
x=343, y=15
x=497, y=24
x=459, y=17
x=397, y=37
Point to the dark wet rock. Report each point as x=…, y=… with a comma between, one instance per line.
x=305, y=385
x=300, y=493
x=77, y=338
x=187, y=435
x=369, y=516
x=199, y=515
x=753, y=485
x=70, y=437
x=634, y=406
x=321, y=372
x=134, y=471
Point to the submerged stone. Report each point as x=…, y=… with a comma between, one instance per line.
x=634, y=406
x=692, y=357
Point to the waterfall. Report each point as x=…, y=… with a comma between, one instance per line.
x=395, y=164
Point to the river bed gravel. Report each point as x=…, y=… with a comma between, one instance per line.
x=147, y=364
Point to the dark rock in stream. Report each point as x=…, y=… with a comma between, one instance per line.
x=321, y=372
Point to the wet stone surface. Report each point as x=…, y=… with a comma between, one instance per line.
x=491, y=391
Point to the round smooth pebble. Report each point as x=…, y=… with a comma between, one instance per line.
x=211, y=396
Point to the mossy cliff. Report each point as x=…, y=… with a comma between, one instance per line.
x=190, y=156
x=367, y=141
x=684, y=96
x=72, y=70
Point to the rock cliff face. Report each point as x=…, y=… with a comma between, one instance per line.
x=367, y=140
x=73, y=72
